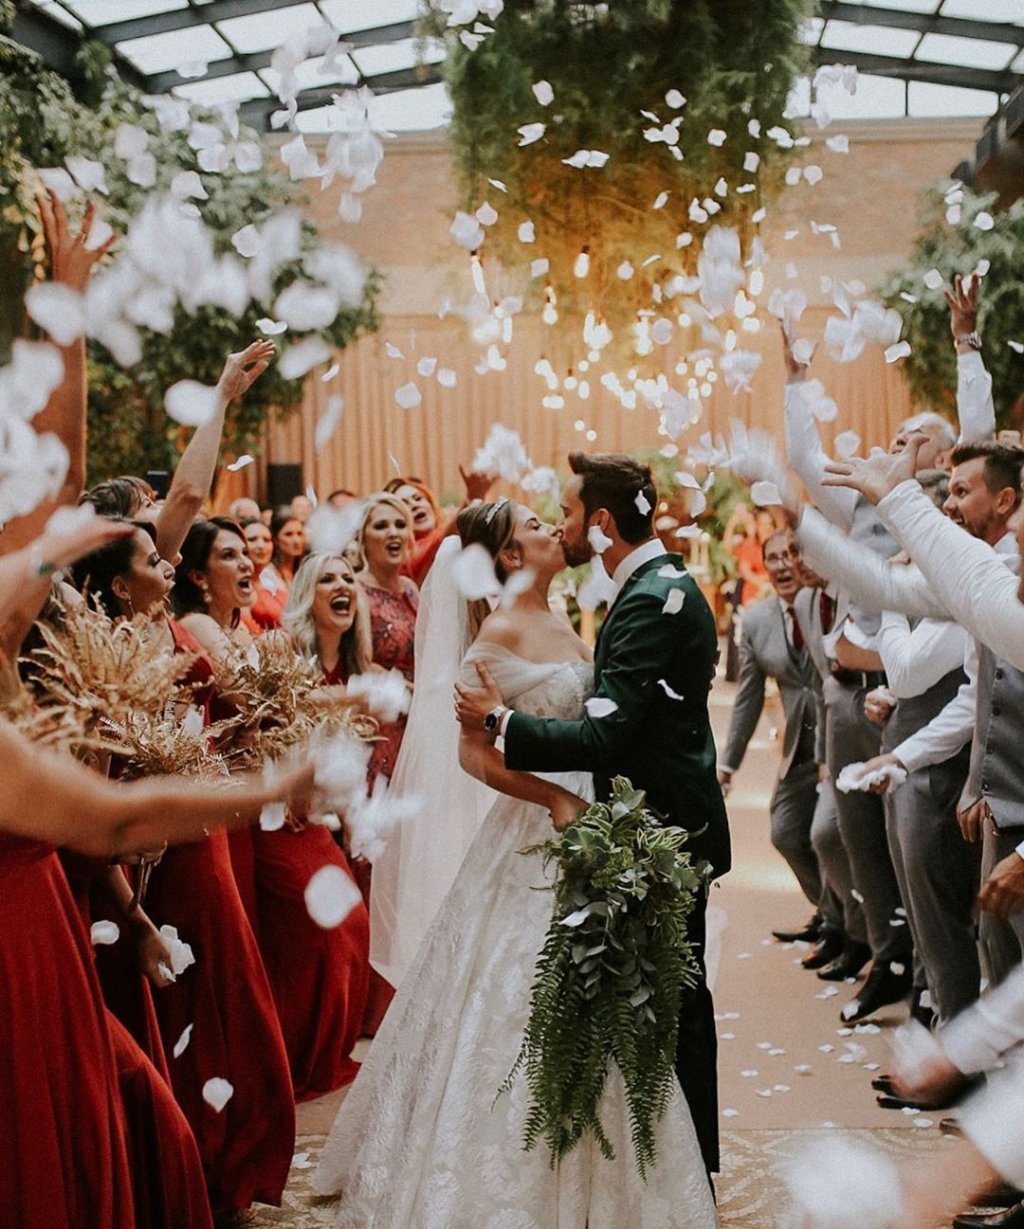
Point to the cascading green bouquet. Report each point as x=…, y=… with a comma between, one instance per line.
x=610, y=976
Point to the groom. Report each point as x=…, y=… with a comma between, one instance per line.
x=655, y=662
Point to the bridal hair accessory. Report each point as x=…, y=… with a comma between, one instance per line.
x=492, y=511
x=610, y=976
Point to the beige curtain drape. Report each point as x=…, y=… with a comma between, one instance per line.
x=377, y=438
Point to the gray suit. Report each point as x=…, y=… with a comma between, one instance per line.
x=997, y=774
x=766, y=652
x=840, y=909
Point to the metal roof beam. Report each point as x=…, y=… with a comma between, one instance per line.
x=226, y=10
x=923, y=23
x=58, y=46
x=999, y=81
x=256, y=111
x=162, y=83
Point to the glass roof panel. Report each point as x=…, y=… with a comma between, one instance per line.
x=263, y=31
x=349, y=15
x=876, y=98
x=976, y=52
x=234, y=88
x=413, y=110
x=59, y=13
x=156, y=53
x=924, y=98
x=102, y=12
x=877, y=40
x=904, y=6
x=390, y=57
x=310, y=78
x=1011, y=11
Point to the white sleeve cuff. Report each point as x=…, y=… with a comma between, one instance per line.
x=506, y=717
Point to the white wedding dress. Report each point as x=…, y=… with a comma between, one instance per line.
x=423, y=1140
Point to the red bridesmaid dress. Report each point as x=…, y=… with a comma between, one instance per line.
x=319, y=977
x=64, y=1162
x=167, y=1173
x=247, y=1146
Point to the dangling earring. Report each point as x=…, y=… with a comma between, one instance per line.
x=206, y=595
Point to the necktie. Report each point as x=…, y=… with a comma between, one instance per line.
x=828, y=611
x=796, y=632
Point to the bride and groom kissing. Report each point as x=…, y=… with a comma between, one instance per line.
x=423, y=1139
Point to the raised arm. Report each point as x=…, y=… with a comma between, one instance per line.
x=26, y=576
x=968, y=577
x=804, y=452
x=64, y=415
x=194, y=475
x=975, y=407
x=866, y=576
x=53, y=798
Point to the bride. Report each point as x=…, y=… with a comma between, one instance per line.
x=424, y=1140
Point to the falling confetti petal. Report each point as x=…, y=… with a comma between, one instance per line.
x=599, y=706
x=598, y=539
x=983, y=220
x=526, y=232
x=190, y=403
x=934, y=280
x=104, y=933
x=217, y=1092
x=330, y=896
x=408, y=396
x=765, y=494
x=543, y=93
x=529, y=133
x=717, y=137
x=181, y=1045
x=900, y=350
x=673, y=605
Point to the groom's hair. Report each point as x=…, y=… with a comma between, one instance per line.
x=617, y=482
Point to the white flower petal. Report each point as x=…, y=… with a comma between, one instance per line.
x=408, y=396
x=330, y=896
x=543, y=93
x=88, y=173
x=674, y=602
x=599, y=541
x=104, y=933
x=58, y=310
x=473, y=573
x=246, y=241
x=467, y=231
x=298, y=360
x=895, y=352
x=181, y=1045
x=190, y=403
x=526, y=232
x=529, y=133
x=218, y=1092
x=600, y=706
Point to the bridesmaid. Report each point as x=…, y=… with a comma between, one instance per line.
x=289, y=538
x=247, y=1146
x=64, y=1163
x=382, y=549
x=320, y=977
x=271, y=591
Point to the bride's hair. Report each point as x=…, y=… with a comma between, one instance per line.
x=491, y=526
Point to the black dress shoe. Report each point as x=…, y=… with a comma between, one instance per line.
x=882, y=987
x=1009, y=1218
x=951, y=1126
x=848, y=963
x=828, y=948
x=883, y=1083
x=809, y=932
x=1001, y=1196
x=892, y=1101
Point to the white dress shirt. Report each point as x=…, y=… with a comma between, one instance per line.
x=966, y=574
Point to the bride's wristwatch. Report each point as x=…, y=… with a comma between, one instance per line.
x=492, y=722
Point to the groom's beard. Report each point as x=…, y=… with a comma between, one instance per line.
x=577, y=553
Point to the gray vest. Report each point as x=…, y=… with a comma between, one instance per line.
x=997, y=765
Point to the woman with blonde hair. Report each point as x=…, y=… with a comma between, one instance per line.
x=328, y=617
x=380, y=552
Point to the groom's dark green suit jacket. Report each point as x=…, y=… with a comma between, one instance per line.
x=657, y=667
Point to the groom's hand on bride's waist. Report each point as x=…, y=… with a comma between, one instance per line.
x=472, y=704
